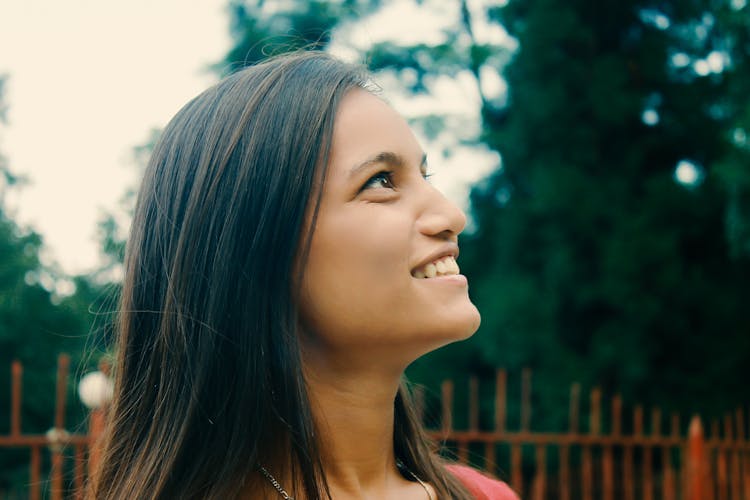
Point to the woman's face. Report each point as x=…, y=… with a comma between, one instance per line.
x=381, y=228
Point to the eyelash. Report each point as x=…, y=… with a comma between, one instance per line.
x=387, y=175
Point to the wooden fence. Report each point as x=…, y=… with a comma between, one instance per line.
x=571, y=465
x=591, y=464
x=57, y=441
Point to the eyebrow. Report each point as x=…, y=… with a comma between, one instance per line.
x=387, y=157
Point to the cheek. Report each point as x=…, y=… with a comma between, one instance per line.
x=356, y=277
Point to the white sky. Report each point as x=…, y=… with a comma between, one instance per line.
x=89, y=79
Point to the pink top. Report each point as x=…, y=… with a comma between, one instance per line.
x=481, y=486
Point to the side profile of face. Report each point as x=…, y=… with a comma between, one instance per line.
x=381, y=278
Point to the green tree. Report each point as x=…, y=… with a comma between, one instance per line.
x=602, y=267
x=261, y=29
x=589, y=260
x=37, y=323
x=733, y=168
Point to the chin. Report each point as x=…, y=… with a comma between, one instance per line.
x=458, y=326
x=471, y=325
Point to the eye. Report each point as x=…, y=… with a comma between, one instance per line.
x=382, y=179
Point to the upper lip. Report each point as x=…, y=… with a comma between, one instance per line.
x=449, y=249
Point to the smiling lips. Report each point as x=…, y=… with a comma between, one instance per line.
x=445, y=266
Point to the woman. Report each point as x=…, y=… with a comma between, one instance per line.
x=287, y=261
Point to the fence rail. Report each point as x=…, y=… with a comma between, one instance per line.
x=663, y=464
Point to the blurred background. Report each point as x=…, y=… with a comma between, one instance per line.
x=600, y=149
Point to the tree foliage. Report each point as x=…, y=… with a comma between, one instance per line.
x=261, y=29
x=602, y=267
x=37, y=322
x=590, y=261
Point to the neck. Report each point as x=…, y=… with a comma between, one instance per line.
x=352, y=404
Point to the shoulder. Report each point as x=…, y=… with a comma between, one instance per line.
x=481, y=486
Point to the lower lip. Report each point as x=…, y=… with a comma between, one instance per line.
x=457, y=279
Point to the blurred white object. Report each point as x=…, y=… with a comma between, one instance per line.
x=57, y=439
x=95, y=390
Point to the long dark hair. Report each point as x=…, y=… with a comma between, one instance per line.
x=208, y=374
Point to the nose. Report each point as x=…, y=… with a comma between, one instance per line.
x=438, y=215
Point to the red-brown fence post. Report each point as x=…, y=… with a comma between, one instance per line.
x=446, y=415
x=573, y=408
x=78, y=466
x=696, y=461
x=526, y=400
x=735, y=467
x=629, y=476
x=501, y=380
x=96, y=394
x=668, y=487
x=15, y=412
x=96, y=427
x=539, y=486
x=744, y=451
x=647, y=464
x=501, y=391
x=35, y=474
x=516, y=451
x=463, y=445
x=587, y=461
x=57, y=436
x=608, y=466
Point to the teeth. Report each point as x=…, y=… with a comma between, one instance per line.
x=451, y=267
x=430, y=270
x=441, y=267
x=454, y=265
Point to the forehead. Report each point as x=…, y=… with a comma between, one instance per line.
x=366, y=126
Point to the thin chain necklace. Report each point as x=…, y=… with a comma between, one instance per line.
x=403, y=466
x=286, y=495
x=275, y=484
